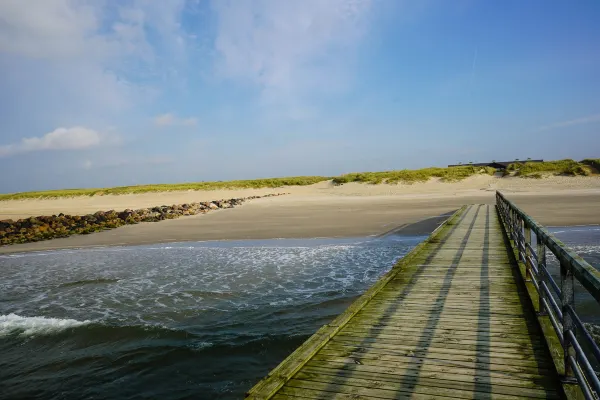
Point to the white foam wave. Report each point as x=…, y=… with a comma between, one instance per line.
x=13, y=324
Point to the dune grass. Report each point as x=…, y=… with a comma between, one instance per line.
x=592, y=162
x=241, y=184
x=527, y=170
x=559, y=167
x=413, y=176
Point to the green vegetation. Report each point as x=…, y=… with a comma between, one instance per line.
x=594, y=163
x=244, y=184
x=523, y=169
x=560, y=167
x=412, y=176
x=535, y=175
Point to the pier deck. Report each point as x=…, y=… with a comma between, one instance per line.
x=451, y=320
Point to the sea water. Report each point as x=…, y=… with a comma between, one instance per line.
x=202, y=320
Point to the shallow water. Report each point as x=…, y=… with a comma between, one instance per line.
x=202, y=320
x=585, y=241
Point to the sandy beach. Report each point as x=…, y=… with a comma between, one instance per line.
x=321, y=210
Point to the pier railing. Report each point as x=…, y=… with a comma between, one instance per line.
x=556, y=300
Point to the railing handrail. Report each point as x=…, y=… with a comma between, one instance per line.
x=560, y=312
x=587, y=275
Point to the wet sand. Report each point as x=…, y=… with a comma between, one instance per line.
x=326, y=215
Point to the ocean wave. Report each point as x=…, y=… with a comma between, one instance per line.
x=89, y=282
x=13, y=324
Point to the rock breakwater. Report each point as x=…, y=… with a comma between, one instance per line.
x=39, y=228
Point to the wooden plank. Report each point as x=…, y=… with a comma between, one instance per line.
x=520, y=329
x=456, y=340
x=348, y=349
x=446, y=311
x=367, y=341
x=321, y=395
x=469, y=331
x=433, y=372
x=473, y=363
x=448, y=302
x=411, y=386
x=360, y=391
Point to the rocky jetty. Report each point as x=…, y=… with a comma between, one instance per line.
x=34, y=229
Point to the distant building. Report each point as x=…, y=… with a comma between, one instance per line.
x=496, y=164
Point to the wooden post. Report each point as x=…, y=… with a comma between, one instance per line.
x=521, y=244
x=542, y=275
x=567, y=299
x=527, y=244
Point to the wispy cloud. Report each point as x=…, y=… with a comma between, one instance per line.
x=97, y=56
x=572, y=122
x=170, y=119
x=293, y=51
x=75, y=138
x=129, y=161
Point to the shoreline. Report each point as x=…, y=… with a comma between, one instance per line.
x=324, y=215
x=420, y=228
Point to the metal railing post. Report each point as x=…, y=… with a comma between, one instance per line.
x=542, y=275
x=527, y=245
x=521, y=224
x=567, y=299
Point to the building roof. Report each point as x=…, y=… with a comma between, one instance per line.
x=495, y=164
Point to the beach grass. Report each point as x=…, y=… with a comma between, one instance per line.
x=536, y=170
x=240, y=184
x=560, y=167
x=450, y=174
x=592, y=162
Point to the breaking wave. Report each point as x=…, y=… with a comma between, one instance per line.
x=13, y=324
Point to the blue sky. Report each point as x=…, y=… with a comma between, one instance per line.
x=104, y=93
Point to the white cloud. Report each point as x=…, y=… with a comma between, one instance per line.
x=76, y=138
x=95, y=57
x=164, y=119
x=131, y=160
x=169, y=119
x=577, y=121
x=189, y=122
x=290, y=49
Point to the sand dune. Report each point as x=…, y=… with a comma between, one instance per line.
x=321, y=210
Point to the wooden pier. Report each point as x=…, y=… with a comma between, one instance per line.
x=454, y=319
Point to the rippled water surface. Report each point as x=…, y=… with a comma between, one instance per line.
x=585, y=241
x=202, y=320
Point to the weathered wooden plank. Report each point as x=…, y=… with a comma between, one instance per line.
x=521, y=329
x=456, y=298
x=440, y=353
x=361, y=391
x=426, y=328
x=321, y=395
x=447, y=311
x=367, y=341
x=432, y=337
x=433, y=372
x=450, y=302
x=417, y=315
x=410, y=386
x=478, y=364
x=472, y=386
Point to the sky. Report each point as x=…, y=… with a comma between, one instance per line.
x=97, y=93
